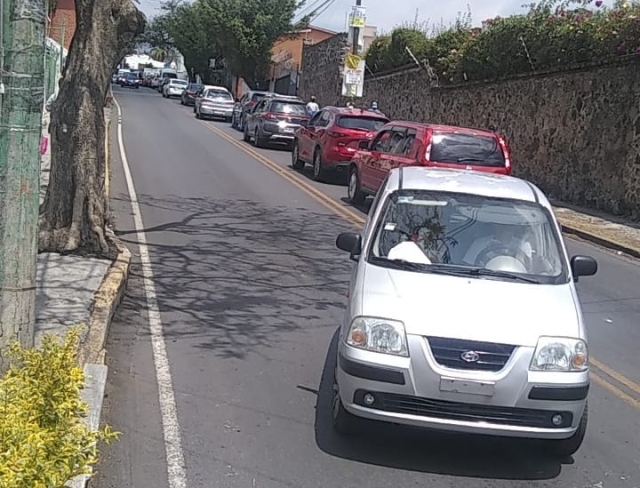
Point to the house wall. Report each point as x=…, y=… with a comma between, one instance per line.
x=63, y=22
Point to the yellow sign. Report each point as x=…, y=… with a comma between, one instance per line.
x=352, y=61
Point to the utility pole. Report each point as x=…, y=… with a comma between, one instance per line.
x=22, y=32
x=356, y=33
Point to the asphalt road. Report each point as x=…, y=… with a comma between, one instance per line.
x=251, y=289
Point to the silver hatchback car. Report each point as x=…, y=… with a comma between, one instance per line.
x=463, y=313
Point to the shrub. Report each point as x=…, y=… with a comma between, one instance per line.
x=43, y=441
x=550, y=36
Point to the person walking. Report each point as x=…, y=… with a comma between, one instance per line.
x=313, y=107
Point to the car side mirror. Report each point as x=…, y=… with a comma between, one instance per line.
x=583, y=266
x=363, y=145
x=351, y=243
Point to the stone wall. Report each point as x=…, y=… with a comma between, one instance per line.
x=321, y=68
x=574, y=133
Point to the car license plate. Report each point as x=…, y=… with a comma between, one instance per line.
x=470, y=387
x=288, y=130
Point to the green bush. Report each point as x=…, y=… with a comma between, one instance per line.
x=550, y=36
x=44, y=442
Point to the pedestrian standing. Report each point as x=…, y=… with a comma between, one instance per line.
x=313, y=107
x=374, y=106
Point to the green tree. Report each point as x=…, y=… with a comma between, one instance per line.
x=75, y=209
x=242, y=32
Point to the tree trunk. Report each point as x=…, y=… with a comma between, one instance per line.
x=75, y=209
x=22, y=76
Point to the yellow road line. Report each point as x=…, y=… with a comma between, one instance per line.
x=620, y=378
x=358, y=220
x=613, y=389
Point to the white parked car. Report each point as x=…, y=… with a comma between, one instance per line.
x=463, y=313
x=174, y=88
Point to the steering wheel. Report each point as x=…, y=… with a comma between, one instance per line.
x=499, y=249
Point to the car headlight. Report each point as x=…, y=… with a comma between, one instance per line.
x=378, y=335
x=560, y=354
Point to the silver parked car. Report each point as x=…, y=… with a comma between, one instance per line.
x=174, y=88
x=214, y=102
x=463, y=313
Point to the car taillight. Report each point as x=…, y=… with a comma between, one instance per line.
x=332, y=133
x=505, y=152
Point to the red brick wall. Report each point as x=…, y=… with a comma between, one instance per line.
x=65, y=16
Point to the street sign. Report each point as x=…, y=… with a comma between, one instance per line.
x=353, y=79
x=357, y=17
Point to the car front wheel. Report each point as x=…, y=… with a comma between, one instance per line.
x=354, y=190
x=296, y=162
x=565, y=448
x=343, y=422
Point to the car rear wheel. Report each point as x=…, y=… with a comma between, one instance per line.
x=354, y=188
x=565, y=448
x=296, y=162
x=343, y=422
x=259, y=141
x=318, y=170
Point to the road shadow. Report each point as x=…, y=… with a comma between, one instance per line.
x=424, y=451
x=235, y=276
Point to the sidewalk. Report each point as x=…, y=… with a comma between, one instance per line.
x=75, y=290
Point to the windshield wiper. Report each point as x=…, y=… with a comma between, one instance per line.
x=496, y=274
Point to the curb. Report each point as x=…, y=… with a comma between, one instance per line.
x=605, y=242
x=105, y=302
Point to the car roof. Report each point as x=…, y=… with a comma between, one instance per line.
x=443, y=128
x=286, y=99
x=215, y=87
x=355, y=111
x=465, y=181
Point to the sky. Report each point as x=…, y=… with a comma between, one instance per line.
x=385, y=18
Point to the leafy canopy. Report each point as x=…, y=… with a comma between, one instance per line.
x=242, y=32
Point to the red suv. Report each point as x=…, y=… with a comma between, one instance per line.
x=331, y=138
x=413, y=144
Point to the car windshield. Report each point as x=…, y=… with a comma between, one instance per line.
x=469, y=235
x=467, y=149
x=169, y=75
x=256, y=97
x=371, y=124
x=287, y=108
x=195, y=86
x=218, y=95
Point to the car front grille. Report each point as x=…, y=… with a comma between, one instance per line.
x=466, y=412
x=449, y=353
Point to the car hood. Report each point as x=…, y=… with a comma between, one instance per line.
x=487, y=310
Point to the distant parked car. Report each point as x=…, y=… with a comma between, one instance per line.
x=401, y=144
x=189, y=95
x=275, y=119
x=245, y=105
x=331, y=139
x=214, y=102
x=130, y=80
x=174, y=88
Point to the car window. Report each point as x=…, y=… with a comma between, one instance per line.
x=396, y=141
x=260, y=106
x=361, y=123
x=169, y=75
x=195, y=87
x=465, y=231
x=315, y=119
x=218, y=95
x=408, y=141
x=256, y=97
x=287, y=108
x=466, y=149
x=381, y=142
